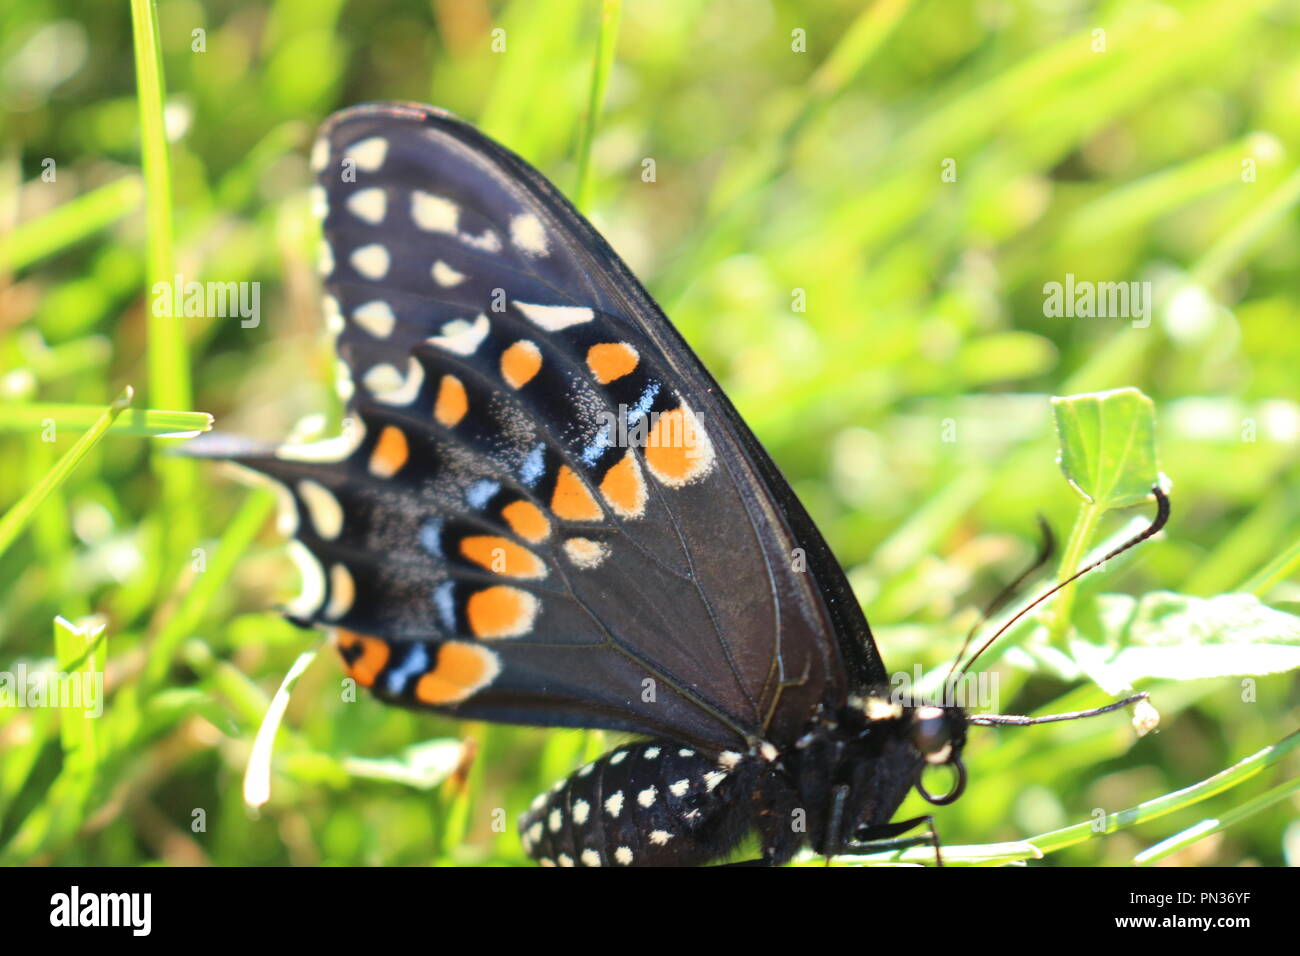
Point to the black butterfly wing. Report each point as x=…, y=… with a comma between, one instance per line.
x=546, y=510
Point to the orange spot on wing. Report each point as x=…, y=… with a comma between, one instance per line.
x=500, y=611
x=502, y=556
x=462, y=670
x=452, y=402
x=677, y=449
x=391, y=452
x=624, y=488
x=526, y=520
x=571, y=500
x=611, y=360
x=363, y=656
x=520, y=362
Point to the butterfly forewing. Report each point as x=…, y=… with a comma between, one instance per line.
x=544, y=511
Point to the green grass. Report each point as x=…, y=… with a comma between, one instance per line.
x=908, y=402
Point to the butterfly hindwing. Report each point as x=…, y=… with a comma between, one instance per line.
x=544, y=509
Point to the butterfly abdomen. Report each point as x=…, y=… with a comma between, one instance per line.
x=656, y=803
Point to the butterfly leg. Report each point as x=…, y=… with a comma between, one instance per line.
x=889, y=836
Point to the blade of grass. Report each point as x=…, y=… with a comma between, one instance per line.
x=1200, y=831
x=80, y=653
x=1230, y=250
x=1050, y=842
x=168, y=351
x=1279, y=569
x=70, y=223
x=257, y=776
x=17, y=517
x=610, y=11
x=1238, y=773
x=145, y=422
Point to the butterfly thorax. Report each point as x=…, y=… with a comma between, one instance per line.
x=853, y=768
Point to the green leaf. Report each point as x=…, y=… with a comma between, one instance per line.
x=1107, y=445
x=1176, y=637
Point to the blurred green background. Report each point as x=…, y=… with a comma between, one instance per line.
x=907, y=403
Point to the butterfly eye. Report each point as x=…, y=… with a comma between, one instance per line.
x=932, y=734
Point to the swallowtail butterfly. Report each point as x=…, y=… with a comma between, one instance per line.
x=548, y=513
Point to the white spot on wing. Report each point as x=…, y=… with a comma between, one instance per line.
x=433, y=213
x=320, y=204
x=325, y=260
x=333, y=314
x=320, y=154
x=488, y=242
x=369, y=154
x=399, y=391
x=371, y=261
x=553, y=318
x=679, y=788
x=446, y=276
x=369, y=205
x=462, y=336
x=527, y=234
x=323, y=508
x=660, y=837
x=330, y=449
x=382, y=378
x=311, y=596
x=375, y=317
x=342, y=592
x=585, y=553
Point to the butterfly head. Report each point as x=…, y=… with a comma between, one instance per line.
x=938, y=735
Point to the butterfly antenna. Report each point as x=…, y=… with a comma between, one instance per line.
x=1045, y=550
x=1014, y=720
x=1161, y=518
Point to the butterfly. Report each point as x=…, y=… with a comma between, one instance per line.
x=547, y=512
